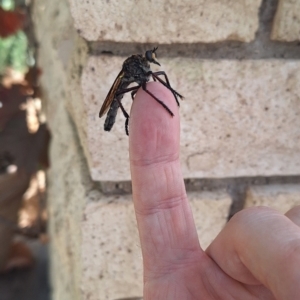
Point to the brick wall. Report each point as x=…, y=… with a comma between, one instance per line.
x=238, y=65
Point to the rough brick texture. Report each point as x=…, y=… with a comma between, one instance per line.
x=286, y=25
x=166, y=21
x=280, y=197
x=239, y=118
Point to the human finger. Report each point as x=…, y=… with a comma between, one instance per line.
x=260, y=246
x=164, y=217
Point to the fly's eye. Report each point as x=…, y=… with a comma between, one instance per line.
x=150, y=56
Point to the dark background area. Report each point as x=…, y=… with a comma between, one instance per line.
x=30, y=283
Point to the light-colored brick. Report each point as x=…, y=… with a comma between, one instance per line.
x=239, y=118
x=111, y=254
x=281, y=196
x=166, y=21
x=211, y=211
x=286, y=26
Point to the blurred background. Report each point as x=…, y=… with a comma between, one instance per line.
x=24, y=140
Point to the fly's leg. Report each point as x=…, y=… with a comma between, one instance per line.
x=155, y=74
x=125, y=115
x=166, y=84
x=133, y=94
x=134, y=90
x=159, y=101
x=124, y=91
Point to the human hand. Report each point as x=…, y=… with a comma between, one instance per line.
x=256, y=255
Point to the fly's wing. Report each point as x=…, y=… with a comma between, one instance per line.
x=111, y=94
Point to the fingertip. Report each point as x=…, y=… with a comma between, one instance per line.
x=153, y=131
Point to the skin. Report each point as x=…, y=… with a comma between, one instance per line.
x=255, y=256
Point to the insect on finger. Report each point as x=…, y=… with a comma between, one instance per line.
x=136, y=68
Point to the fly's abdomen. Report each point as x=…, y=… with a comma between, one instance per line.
x=111, y=115
x=113, y=110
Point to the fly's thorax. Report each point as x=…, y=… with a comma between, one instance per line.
x=136, y=69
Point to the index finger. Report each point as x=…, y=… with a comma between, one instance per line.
x=165, y=221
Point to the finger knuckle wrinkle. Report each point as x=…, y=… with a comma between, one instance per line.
x=158, y=160
x=170, y=202
x=163, y=204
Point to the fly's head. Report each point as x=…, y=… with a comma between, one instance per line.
x=151, y=57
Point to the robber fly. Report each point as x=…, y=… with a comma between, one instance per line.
x=136, y=68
